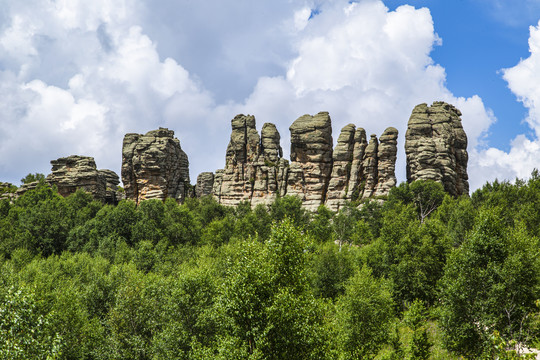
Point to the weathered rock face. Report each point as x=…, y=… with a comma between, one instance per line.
x=7, y=191
x=77, y=172
x=254, y=170
x=205, y=183
x=154, y=166
x=112, y=195
x=311, y=159
x=386, y=167
x=361, y=170
x=436, y=147
x=338, y=186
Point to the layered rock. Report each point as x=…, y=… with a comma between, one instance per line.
x=370, y=166
x=338, y=186
x=356, y=180
x=77, y=172
x=271, y=169
x=386, y=166
x=361, y=170
x=235, y=183
x=112, y=193
x=436, y=147
x=7, y=191
x=205, y=183
x=254, y=170
x=154, y=166
x=311, y=159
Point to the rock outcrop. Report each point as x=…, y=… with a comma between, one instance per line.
x=386, y=167
x=154, y=166
x=112, y=193
x=361, y=170
x=436, y=147
x=255, y=170
x=77, y=172
x=311, y=159
x=205, y=184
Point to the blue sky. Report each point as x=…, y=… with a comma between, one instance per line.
x=75, y=76
x=479, y=39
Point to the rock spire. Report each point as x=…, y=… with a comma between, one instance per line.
x=436, y=147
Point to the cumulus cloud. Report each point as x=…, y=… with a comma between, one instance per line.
x=365, y=65
x=76, y=76
x=107, y=79
x=524, y=154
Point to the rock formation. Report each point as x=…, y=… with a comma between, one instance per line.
x=255, y=170
x=361, y=170
x=77, y=172
x=311, y=159
x=436, y=147
x=112, y=195
x=386, y=167
x=154, y=166
x=205, y=183
x=338, y=186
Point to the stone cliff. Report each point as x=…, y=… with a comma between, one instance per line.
x=154, y=166
x=255, y=170
x=436, y=147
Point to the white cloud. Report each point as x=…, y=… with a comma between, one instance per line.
x=365, y=65
x=524, y=154
x=94, y=95
x=78, y=75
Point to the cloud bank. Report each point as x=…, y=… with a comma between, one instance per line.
x=524, y=154
x=76, y=76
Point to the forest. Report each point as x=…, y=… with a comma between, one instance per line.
x=415, y=275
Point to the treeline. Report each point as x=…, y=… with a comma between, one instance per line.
x=420, y=275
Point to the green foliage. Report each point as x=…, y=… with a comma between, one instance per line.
x=415, y=319
x=25, y=332
x=426, y=195
x=32, y=178
x=159, y=280
x=266, y=304
x=490, y=284
x=320, y=227
x=365, y=314
x=289, y=207
x=330, y=270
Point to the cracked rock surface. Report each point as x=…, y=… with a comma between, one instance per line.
x=436, y=147
x=154, y=166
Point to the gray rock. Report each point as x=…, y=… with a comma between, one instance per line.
x=311, y=159
x=436, y=147
x=205, y=184
x=154, y=166
x=77, y=172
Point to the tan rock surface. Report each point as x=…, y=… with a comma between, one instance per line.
x=154, y=166
x=436, y=147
